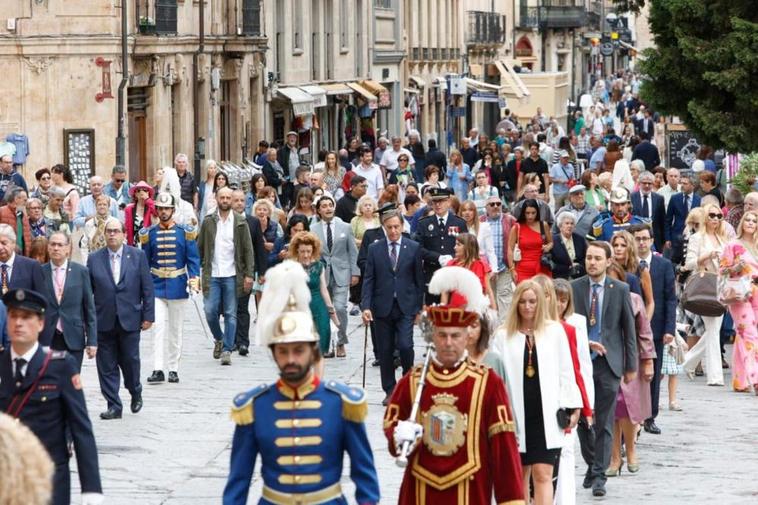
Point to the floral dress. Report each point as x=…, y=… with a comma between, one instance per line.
x=745, y=315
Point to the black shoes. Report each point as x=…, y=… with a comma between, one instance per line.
x=173, y=377
x=386, y=401
x=651, y=427
x=329, y=355
x=156, y=377
x=598, y=488
x=136, y=403
x=243, y=350
x=375, y=363
x=111, y=413
x=218, y=346
x=587, y=482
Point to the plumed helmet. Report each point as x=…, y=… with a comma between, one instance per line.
x=284, y=312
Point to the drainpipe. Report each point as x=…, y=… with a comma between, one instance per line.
x=199, y=141
x=121, y=138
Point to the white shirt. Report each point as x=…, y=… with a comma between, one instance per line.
x=10, y=266
x=116, y=266
x=28, y=355
x=648, y=260
x=390, y=156
x=667, y=192
x=223, y=253
x=374, y=179
x=444, y=219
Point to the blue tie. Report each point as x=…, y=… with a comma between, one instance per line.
x=594, y=333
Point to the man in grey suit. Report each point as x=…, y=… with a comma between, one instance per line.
x=339, y=252
x=70, y=319
x=613, y=344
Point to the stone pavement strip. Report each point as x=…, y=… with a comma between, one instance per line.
x=176, y=450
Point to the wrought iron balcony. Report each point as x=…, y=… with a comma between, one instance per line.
x=563, y=14
x=485, y=29
x=529, y=17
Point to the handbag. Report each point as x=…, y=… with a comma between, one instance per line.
x=678, y=348
x=564, y=418
x=546, y=259
x=516, y=248
x=734, y=289
x=700, y=295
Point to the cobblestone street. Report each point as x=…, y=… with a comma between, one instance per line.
x=176, y=451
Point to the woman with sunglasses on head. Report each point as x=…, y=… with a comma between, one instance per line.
x=533, y=239
x=703, y=254
x=740, y=260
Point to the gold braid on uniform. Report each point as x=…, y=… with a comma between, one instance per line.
x=504, y=423
x=242, y=407
x=355, y=412
x=354, y=405
x=190, y=232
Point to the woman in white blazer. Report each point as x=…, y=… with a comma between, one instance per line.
x=540, y=372
x=703, y=252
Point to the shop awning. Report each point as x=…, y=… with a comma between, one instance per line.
x=302, y=102
x=382, y=93
x=340, y=88
x=473, y=85
x=511, y=80
x=368, y=95
x=414, y=91
x=318, y=93
x=418, y=81
x=440, y=81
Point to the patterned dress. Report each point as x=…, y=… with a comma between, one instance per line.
x=745, y=315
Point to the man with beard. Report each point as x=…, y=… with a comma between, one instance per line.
x=171, y=251
x=620, y=217
x=300, y=426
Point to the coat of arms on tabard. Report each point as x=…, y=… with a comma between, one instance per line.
x=444, y=426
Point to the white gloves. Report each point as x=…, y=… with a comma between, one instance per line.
x=407, y=431
x=444, y=259
x=92, y=498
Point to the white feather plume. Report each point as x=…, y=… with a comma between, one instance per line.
x=462, y=280
x=288, y=277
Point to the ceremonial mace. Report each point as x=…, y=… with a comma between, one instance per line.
x=426, y=330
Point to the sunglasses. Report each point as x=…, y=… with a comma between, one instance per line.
x=715, y=216
x=494, y=204
x=402, y=159
x=751, y=220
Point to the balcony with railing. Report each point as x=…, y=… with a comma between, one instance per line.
x=485, y=29
x=529, y=17
x=563, y=13
x=156, y=17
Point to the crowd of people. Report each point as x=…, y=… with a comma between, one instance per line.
x=583, y=250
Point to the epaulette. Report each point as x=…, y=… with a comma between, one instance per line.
x=144, y=235
x=58, y=354
x=354, y=405
x=643, y=220
x=242, y=408
x=598, y=223
x=190, y=232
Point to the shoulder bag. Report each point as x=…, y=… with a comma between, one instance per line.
x=516, y=248
x=700, y=295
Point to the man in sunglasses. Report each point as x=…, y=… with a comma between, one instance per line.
x=501, y=224
x=118, y=188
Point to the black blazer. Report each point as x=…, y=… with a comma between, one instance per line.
x=259, y=248
x=435, y=241
x=26, y=273
x=371, y=236
x=76, y=309
x=562, y=268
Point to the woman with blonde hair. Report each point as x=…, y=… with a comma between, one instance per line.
x=458, y=175
x=481, y=230
x=538, y=365
x=305, y=248
x=333, y=174
x=93, y=237
x=740, y=259
x=703, y=254
x=25, y=466
x=304, y=205
x=365, y=218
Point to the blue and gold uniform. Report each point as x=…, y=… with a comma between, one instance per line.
x=606, y=224
x=301, y=435
x=173, y=258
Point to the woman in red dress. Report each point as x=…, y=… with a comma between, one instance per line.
x=532, y=238
x=467, y=256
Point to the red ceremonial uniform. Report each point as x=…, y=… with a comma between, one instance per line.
x=468, y=445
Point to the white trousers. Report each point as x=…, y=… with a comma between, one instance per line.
x=565, y=491
x=167, y=332
x=707, y=347
x=502, y=288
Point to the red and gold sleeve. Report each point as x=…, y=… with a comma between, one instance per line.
x=398, y=409
x=502, y=446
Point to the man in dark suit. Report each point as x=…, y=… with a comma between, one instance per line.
x=647, y=152
x=70, y=319
x=242, y=333
x=649, y=205
x=646, y=125
x=680, y=206
x=392, y=295
x=436, y=235
x=613, y=342
x=17, y=271
x=663, y=323
x=125, y=304
x=43, y=390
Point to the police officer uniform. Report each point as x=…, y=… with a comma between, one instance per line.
x=43, y=390
x=174, y=261
x=301, y=433
x=437, y=238
x=606, y=224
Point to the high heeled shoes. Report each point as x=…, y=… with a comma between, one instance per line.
x=633, y=467
x=614, y=472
